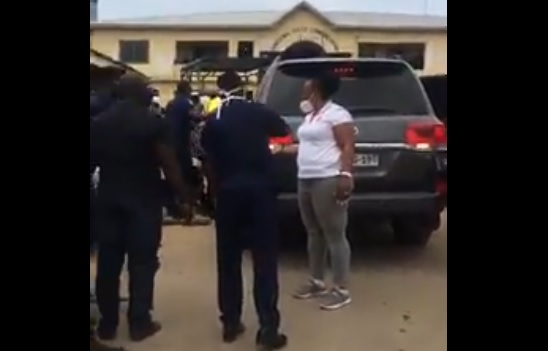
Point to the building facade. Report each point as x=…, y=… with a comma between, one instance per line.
x=159, y=46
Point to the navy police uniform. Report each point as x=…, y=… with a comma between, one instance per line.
x=236, y=142
x=98, y=103
x=178, y=115
x=129, y=211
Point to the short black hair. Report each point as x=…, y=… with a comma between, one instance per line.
x=328, y=85
x=184, y=87
x=230, y=80
x=133, y=87
x=303, y=49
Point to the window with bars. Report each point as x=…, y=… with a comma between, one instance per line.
x=134, y=51
x=246, y=49
x=188, y=51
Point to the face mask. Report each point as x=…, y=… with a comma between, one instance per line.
x=306, y=107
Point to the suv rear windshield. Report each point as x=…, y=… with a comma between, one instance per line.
x=367, y=89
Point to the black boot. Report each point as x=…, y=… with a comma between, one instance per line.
x=140, y=333
x=106, y=331
x=268, y=340
x=231, y=333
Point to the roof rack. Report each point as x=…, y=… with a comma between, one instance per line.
x=202, y=70
x=240, y=65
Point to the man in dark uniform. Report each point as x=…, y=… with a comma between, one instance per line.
x=179, y=115
x=130, y=145
x=235, y=140
x=99, y=101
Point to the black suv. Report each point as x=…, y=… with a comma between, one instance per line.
x=401, y=146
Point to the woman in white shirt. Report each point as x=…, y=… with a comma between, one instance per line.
x=325, y=162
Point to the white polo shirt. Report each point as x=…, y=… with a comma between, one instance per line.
x=319, y=155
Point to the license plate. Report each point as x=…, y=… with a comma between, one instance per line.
x=367, y=160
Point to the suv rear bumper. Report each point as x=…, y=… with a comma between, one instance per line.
x=376, y=203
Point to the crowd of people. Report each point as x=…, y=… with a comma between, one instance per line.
x=212, y=157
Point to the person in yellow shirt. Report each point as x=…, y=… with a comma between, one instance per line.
x=213, y=104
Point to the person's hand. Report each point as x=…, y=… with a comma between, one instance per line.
x=276, y=149
x=345, y=187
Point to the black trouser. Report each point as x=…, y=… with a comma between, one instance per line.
x=246, y=219
x=170, y=201
x=209, y=193
x=134, y=230
x=191, y=177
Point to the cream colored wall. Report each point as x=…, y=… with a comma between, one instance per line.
x=162, y=44
x=436, y=46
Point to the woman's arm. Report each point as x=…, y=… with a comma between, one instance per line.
x=345, y=138
x=290, y=149
x=344, y=132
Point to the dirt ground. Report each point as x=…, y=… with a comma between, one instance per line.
x=400, y=300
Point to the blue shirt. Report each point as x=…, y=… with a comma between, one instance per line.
x=178, y=115
x=98, y=103
x=237, y=142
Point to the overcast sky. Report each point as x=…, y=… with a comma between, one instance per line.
x=112, y=9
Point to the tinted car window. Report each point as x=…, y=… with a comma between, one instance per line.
x=371, y=88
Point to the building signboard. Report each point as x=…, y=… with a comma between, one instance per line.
x=316, y=35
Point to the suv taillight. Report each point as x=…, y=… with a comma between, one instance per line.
x=426, y=136
x=288, y=140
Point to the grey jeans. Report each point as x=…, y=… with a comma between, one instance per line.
x=326, y=222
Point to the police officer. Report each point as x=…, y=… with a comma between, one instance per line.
x=235, y=140
x=130, y=145
x=179, y=115
x=99, y=102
